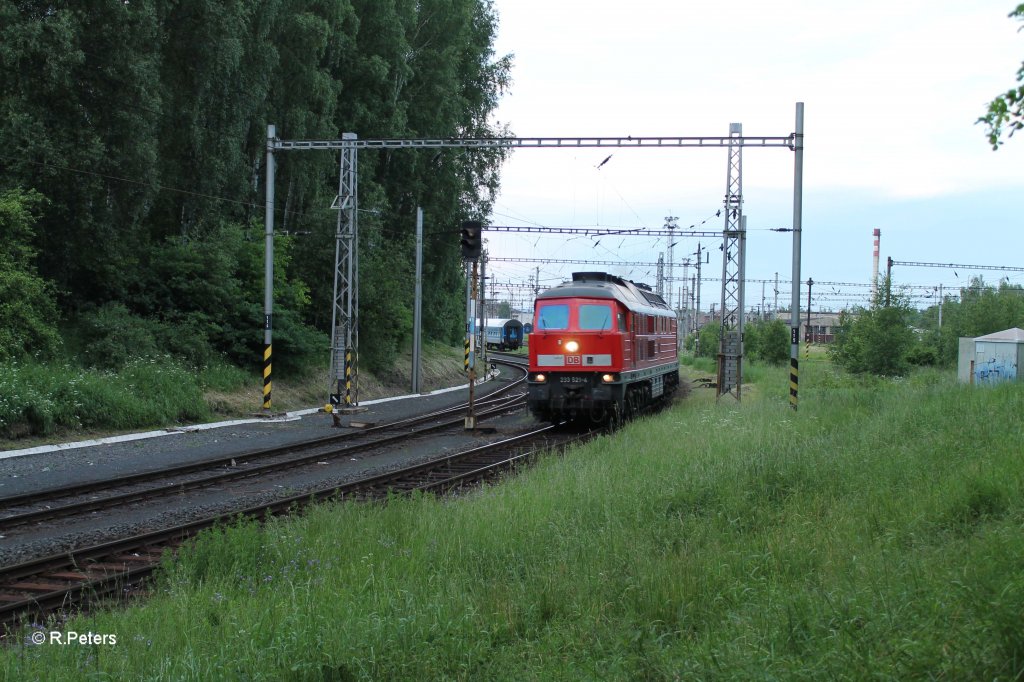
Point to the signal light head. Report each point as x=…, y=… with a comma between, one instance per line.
x=470, y=239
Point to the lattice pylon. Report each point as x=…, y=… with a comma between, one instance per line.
x=730, y=353
x=345, y=335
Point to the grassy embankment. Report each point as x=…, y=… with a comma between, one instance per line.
x=876, y=533
x=45, y=402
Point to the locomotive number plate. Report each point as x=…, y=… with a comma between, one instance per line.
x=573, y=380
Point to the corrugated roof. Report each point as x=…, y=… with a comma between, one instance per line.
x=1014, y=334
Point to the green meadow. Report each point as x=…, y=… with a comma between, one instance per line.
x=874, y=534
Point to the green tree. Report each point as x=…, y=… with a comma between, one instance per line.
x=28, y=314
x=1006, y=112
x=979, y=309
x=79, y=88
x=767, y=341
x=875, y=340
x=144, y=123
x=709, y=337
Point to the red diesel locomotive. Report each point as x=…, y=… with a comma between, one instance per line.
x=602, y=348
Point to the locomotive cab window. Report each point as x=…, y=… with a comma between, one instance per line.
x=554, y=316
x=595, y=317
x=622, y=321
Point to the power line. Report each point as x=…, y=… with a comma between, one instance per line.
x=954, y=265
x=601, y=232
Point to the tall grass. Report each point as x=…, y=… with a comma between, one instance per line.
x=876, y=533
x=41, y=399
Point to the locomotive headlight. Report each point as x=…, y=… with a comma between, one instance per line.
x=608, y=378
x=572, y=346
x=540, y=378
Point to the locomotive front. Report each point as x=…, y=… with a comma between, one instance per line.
x=576, y=352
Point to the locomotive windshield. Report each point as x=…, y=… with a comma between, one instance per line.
x=595, y=317
x=554, y=316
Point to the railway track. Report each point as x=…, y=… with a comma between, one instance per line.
x=80, y=577
x=72, y=500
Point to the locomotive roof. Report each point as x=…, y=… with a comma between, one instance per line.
x=605, y=285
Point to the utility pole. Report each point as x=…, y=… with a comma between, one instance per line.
x=693, y=307
x=670, y=225
x=483, y=316
x=659, y=287
x=807, y=332
x=682, y=321
x=699, y=261
x=470, y=318
x=888, y=281
x=776, y=306
x=417, y=323
x=470, y=421
x=798, y=193
x=734, y=239
x=268, y=272
x=940, y=307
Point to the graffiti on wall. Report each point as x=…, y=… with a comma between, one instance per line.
x=995, y=370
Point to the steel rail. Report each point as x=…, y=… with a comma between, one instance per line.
x=112, y=568
x=492, y=408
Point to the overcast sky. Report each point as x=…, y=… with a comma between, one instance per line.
x=891, y=90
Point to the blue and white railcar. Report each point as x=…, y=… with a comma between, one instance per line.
x=501, y=334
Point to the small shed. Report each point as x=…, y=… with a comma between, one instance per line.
x=992, y=358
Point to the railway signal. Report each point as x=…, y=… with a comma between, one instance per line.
x=470, y=239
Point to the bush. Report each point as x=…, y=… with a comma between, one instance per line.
x=923, y=355
x=875, y=340
x=709, y=338
x=28, y=316
x=110, y=337
x=28, y=313
x=37, y=400
x=767, y=340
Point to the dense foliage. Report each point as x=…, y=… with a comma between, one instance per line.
x=136, y=133
x=706, y=341
x=28, y=315
x=976, y=310
x=1006, y=112
x=875, y=340
x=767, y=341
x=764, y=340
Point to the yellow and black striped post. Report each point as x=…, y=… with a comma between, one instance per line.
x=266, y=375
x=348, y=378
x=465, y=362
x=794, y=380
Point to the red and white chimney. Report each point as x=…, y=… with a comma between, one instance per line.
x=874, y=270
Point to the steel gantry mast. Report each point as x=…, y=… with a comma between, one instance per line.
x=670, y=225
x=345, y=325
x=730, y=354
x=660, y=288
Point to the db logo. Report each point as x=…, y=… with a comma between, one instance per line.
x=573, y=360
